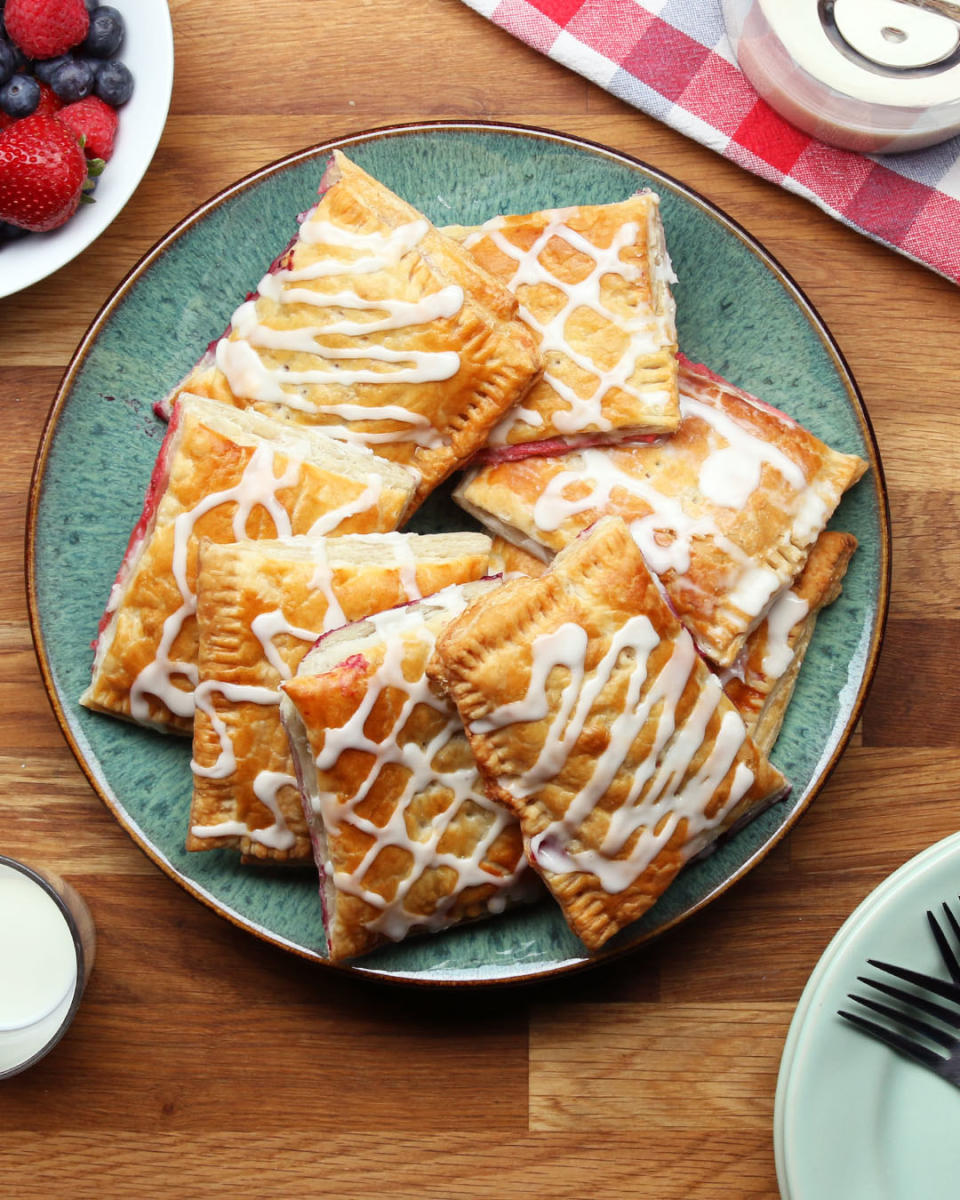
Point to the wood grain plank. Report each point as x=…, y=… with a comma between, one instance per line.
x=916, y=693
x=708, y=1067
x=926, y=551
x=447, y=73
x=423, y=1166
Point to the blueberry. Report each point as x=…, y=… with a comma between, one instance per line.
x=91, y=4
x=44, y=69
x=8, y=61
x=105, y=33
x=114, y=83
x=72, y=81
x=88, y=61
x=10, y=233
x=19, y=96
x=19, y=58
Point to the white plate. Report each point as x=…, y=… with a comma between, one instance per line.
x=853, y=1120
x=148, y=52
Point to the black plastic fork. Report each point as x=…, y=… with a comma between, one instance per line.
x=908, y=1017
x=948, y=955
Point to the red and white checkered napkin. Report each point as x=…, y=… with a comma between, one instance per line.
x=672, y=59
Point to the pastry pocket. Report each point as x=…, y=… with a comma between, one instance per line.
x=725, y=510
x=379, y=330
x=594, y=719
x=762, y=680
x=223, y=475
x=593, y=284
x=260, y=607
x=508, y=560
x=405, y=837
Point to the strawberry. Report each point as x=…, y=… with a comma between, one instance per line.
x=46, y=28
x=42, y=173
x=93, y=121
x=50, y=102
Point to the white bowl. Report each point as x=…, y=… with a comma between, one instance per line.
x=148, y=51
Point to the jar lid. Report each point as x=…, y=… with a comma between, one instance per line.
x=878, y=76
x=877, y=51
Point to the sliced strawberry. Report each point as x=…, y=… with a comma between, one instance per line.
x=42, y=173
x=93, y=121
x=46, y=28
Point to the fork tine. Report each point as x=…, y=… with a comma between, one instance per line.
x=920, y=1054
x=946, y=953
x=915, y=1001
x=955, y=926
x=939, y=987
x=905, y=1018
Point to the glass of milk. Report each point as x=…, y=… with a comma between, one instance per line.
x=47, y=944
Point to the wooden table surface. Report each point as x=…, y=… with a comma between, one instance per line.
x=204, y=1062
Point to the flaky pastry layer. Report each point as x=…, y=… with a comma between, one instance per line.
x=594, y=719
x=725, y=510
x=593, y=284
x=260, y=607
x=406, y=839
x=380, y=330
x=762, y=680
x=222, y=475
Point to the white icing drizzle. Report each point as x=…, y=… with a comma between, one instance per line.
x=322, y=581
x=810, y=518
x=383, y=247
x=527, y=415
x=367, y=499
x=258, y=486
x=646, y=821
x=787, y=612
x=267, y=625
x=406, y=562
x=648, y=332
x=398, y=628
x=266, y=786
x=277, y=836
x=753, y=589
x=221, y=829
x=728, y=475
x=250, y=376
x=236, y=693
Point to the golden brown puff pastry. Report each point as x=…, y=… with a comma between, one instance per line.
x=221, y=474
x=725, y=510
x=594, y=285
x=761, y=681
x=260, y=607
x=509, y=560
x=381, y=331
x=594, y=719
x=406, y=839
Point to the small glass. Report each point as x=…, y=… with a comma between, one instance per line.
x=47, y=947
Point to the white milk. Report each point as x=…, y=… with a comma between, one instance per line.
x=38, y=967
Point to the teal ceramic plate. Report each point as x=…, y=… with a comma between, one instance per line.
x=853, y=1120
x=738, y=312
